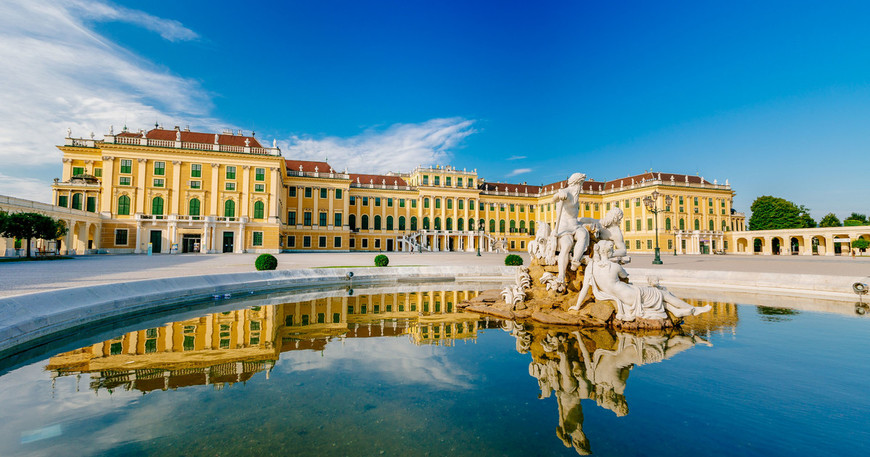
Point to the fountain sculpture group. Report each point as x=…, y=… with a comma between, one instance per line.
x=577, y=257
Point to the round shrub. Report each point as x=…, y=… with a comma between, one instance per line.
x=513, y=260
x=381, y=260
x=266, y=262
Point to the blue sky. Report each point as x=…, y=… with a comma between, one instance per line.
x=774, y=97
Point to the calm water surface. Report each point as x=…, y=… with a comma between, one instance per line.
x=408, y=374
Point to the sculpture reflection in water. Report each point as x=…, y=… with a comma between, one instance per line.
x=591, y=364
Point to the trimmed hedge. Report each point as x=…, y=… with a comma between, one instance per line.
x=513, y=260
x=266, y=262
x=381, y=260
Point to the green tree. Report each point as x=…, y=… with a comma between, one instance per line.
x=830, y=220
x=861, y=244
x=771, y=213
x=27, y=226
x=856, y=219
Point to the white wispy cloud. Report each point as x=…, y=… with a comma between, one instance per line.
x=27, y=188
x=57, y=72
x=519, y=171
x=516, y=157
x=169, y=29
x=398, y=147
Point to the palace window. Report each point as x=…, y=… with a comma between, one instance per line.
x=377, y=201
x=159, y=168
x=195, y=170
x=76, y=171
x=390, y=202
x=306, y=241
x=230, y=186
x=323, y=192
x=307, y=192
x=258, y=241
x=649, y=244
x=291, y=241
x=259, y=210
x=159, y=182
x=98, y=172
x=413, y=203
x=437, y=202
x=389, y=222
x=321, y=241
x=193, y=207
x=124, y=205
x=637, y=225
x=460, y=204
x=322, y=221
x=259, y=187
x=352, y=200
x=62, y=200
x=401, y=203
x=365, y=222
x=437, y=180
x=77, y=201
x=120, y=237
x=231, y=172
x=306, y=218
x=291, y=218
x=425, y=180
x=458, y=182
x=336, y=242
x=291, y=191
x=627, y=225
x=126, y=166
x=426, y=203
x=259, y=174
x=365, y=201
x=337, y=219
x=401, y=222
x=649, y=224
x=157, y=206
x=125, y=181
x=447, y=181
x=229, y=208
x=338, y=194
x=449, y=203
x=637, y=244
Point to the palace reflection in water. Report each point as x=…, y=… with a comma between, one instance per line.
x=224, y=348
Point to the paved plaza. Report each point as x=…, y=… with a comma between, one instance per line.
x=28, y=277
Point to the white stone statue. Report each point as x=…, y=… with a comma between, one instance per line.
x=604, y=277
x=178, y=135
x=274, y=143
x=569, y=231
x=68, y=132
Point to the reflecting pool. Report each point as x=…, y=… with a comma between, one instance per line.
x=404, y=372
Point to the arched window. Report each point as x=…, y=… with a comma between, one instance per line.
x=229, y=208
x=501, y=226
x=437, y=223
x=460, y=203
x=492, y=225
x=531, y=226
x=513, y=226
x=697, y=224
x=377, y=222
x=259, y=210
x=401, y=222
x=193, y=207
x=449, y=204
x=481, y=224
x=77, y=201
x=413, y=222
x=522, y=226
x=724, y=226
x=449, y=223
x=124, y=205
x=425, y=223
x=470, y=224
x=437, y=203
x=460, y=224
x=351, y=221
x=712, y=225
x=667, y=223
x=157, y=206
x=365, y=222
x=682, y=224
x=389, y=222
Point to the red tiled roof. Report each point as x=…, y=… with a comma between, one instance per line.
x=507, y=187
x=207, y=138
x=665, y=177
x=377, y=179
x=309, y=166
x=195, y=137
x=587, y=185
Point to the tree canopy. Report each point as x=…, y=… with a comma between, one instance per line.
x=856, y=219
x=26, y=226
x=771, y=213
x=830, y=220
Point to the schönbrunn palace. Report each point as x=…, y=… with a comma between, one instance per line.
x=183, y=191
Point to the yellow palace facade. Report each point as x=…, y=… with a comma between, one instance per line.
x=177, y=191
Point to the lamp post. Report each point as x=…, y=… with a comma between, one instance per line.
x=651, y=201
x=479, y=239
